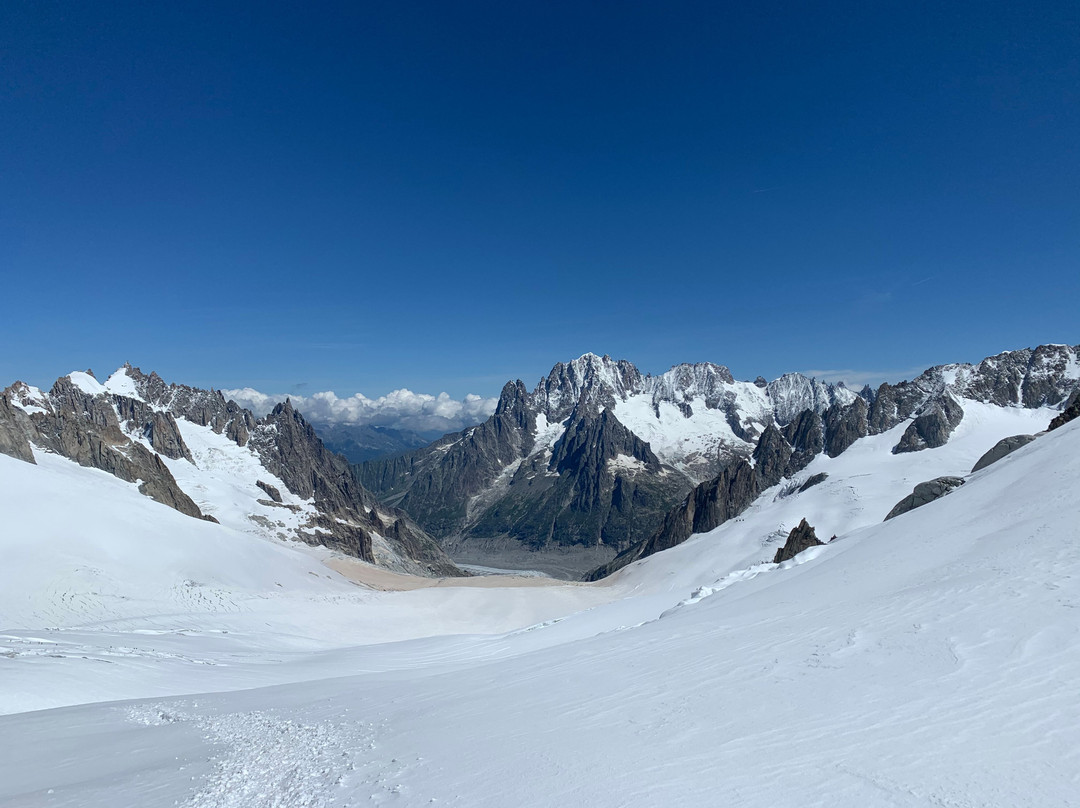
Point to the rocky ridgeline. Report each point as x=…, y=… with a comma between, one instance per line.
x=127, y=428
x=86, y=428
x=802, y=537
x=1044, y=376
x=597, y=483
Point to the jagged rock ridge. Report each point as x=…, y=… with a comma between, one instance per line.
x=132, y=427
x=924, y=494
x=1043, y=376
x=802, y=537
x=594, y=455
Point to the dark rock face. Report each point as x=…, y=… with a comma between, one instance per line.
x=1003, y=447
x=806, y=434
x=290, y=450
x=813, y=480
x=202, y=407
x=602, y=486
x=1071, y=411
x=771, y=457
x=845, y=424
x=933, y=427
x=85, y=428
x=801, y=538
x=925, y=493
x=14, y=428
x=158, y=427
x=271, y=491
x=708, y=506
x=435, y=484
x=491, y=483
x=1031, y=377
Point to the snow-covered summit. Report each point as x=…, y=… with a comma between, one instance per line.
x=793, y=393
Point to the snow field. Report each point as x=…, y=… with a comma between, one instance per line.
x=923, y=661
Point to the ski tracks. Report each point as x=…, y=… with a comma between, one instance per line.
x=270, y=759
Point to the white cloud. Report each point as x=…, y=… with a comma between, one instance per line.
x=400, y=409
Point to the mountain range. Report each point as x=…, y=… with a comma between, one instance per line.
x=599, y=460
x=598, y=465
x=208, y=458
x=868, y=595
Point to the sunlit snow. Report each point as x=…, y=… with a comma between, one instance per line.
x=928, y=660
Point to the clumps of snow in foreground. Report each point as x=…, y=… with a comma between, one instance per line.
x=265, y=759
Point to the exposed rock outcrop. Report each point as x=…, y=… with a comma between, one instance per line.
x=601, y=486
x=1003, y=447
x=14, y=429
x=925, y=493
x=802, y=537
x=590, y=478
x=708, y=506
x=772, y=457
x=128, y=425
x=933, y=427
x=271, y=491
x=815, y=479
x=794, y=393
x=86, y=427
x=1071, y=411
x=845, y=424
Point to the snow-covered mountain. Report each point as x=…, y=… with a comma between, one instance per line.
x=594, y=458
x=208, y=458
x=923, y=660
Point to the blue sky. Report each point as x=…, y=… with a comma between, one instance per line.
x=442, y=196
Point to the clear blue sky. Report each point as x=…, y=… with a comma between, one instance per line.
x=441, y=196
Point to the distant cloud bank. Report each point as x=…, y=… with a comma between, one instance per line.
x=401, y=409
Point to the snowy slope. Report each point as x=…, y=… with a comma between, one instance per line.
x=923, y=661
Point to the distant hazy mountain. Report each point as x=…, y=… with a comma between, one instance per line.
x=367, y=442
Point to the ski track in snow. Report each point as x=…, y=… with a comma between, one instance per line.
x=264, y=759
x=272, y=759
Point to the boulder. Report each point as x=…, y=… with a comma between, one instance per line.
x=1000, y=449
x=1071, y=411
x=924, y=493
x=802, y=537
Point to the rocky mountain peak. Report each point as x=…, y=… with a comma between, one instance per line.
x=802, y=537
x=703, y=381
x=513, y=398
x=130, y=426
x=793, y=392
x=598, y=380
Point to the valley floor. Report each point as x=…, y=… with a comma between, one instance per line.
x=928, y=660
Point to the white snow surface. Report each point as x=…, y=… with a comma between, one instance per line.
x=28, y=398
x=928, y=660
x=120, y=383
x=87, y=383
x=222, y=483
x=688, y=444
